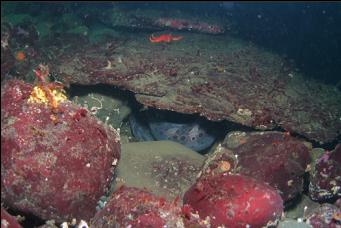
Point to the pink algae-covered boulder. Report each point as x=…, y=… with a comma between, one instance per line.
x=55, y=164
x=133, y=207
x=234, y=201
x=8, y=221
x=277, y=159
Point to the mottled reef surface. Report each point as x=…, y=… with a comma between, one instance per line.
x=210, y=71
x=219, y=77
x=207, y=70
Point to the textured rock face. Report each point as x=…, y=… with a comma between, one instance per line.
x=243, y=83
x=55, y=165
x=155, y=20
x=19, y=38
x=133, y=207
x=234, y=201
x=325, y=182
x=218, y=76
x=276, y=158
x=7, y=62
x=7, y=58
x=325, y=216
x=8, y=221
x=181, y=24
x=273, y=157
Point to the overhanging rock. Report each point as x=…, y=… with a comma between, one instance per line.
x=216, y=76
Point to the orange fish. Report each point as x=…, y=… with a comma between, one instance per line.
x=164, y=38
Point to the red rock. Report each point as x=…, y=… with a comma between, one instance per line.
x=53, y=165
x=275, y=158
x=325, y=182
x=234, y=201
x=222, y=160
x=8, y=221
x=133, y=207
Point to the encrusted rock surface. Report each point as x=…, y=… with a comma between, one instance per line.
x=8, y=221
x=55, y=165
x=273, y=157
x=325, y=216
x=218, y=77
x=47, y=161
x=235, y=201
x=133, y=207
x=325, y=181
x=160, y=19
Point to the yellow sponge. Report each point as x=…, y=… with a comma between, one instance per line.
x=38, y=95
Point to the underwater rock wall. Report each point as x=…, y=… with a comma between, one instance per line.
x=219, y=77
x=243, y=83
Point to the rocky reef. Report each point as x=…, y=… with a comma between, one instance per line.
x=63, y=162
x=55, y=164
x=8, y=220
x=137, y=208
x=243, y=84
x=235, y=200
x=273, y=157
x=325, y=183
